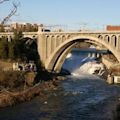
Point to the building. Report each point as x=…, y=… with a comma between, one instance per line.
x=24, y=27
x=112, y=28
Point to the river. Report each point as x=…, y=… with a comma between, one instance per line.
x=81, y=97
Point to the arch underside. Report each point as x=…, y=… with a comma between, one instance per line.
x=56, y=60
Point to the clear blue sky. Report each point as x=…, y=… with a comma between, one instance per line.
x=66, y=12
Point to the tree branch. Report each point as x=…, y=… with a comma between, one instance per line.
x=1, y=1
x=13, y=11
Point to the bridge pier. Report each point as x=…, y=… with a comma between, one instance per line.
x=118, y=44
x=9, y=38
x=42, y=47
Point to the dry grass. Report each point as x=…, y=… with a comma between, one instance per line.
x=11, y=79
x=5, y=65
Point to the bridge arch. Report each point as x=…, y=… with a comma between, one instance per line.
x=55, y=61
x=100, y=36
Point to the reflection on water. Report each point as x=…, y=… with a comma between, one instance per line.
x=83, y=97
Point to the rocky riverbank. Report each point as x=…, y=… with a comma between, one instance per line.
x=8, y=98
x=18, y=86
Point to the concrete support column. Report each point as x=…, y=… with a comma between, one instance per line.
x=111, y=41
x=60, y=40
x=57, y=41
x=41, y=42
x=48, y=46
x=9, y=38
x=118, y=44
x=52, y=43
x=63, y=38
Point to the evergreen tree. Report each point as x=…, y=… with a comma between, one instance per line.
x=17, y=44
x=4, y=48
x=11, y=53
x=2, y=28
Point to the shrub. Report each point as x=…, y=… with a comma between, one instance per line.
x=11, y=79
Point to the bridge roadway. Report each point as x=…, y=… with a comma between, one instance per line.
x=53, y=47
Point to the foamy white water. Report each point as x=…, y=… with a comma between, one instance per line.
x=80, y=64
x=90, y=68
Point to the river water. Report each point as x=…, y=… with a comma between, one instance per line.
x=81, y=97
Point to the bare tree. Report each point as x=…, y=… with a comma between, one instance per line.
x=12, y=12
x=1, y=1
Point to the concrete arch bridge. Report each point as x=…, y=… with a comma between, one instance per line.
x=53, y=47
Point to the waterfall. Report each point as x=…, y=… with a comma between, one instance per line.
x=82, y=64
x=91, y=67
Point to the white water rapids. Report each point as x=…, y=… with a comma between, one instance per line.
x=77, y=65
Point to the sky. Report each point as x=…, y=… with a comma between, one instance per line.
x=72, y=13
